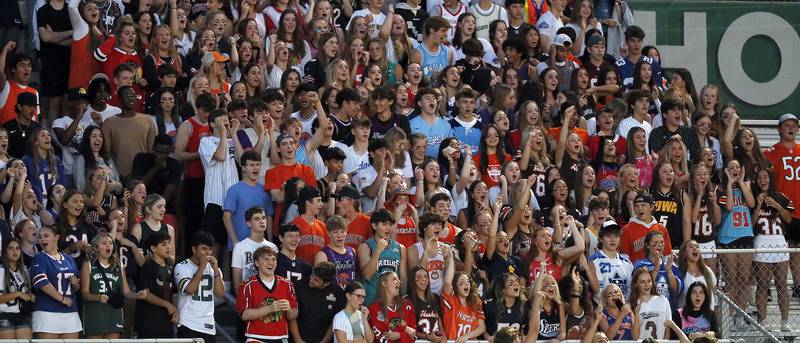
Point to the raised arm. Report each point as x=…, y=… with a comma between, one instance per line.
x=386, y=28
x=561, y=148
x=726, y=143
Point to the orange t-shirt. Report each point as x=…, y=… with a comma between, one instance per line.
x=358, y=230
x=785, y=165
x=277, y=176
x=13, y=90
x=313, y=237
x=554, y=132
x=631, y=241
x=458, y=319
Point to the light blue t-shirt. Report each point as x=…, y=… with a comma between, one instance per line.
x=435, y=133
x=239, y=199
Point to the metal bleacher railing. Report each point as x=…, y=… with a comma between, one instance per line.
x=157, y=340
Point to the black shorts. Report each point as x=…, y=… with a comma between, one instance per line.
x=793, y=231
x=213, y=224
x=741, y=243
x=184, y=332
x=13, y=321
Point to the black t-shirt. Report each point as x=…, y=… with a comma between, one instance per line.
x=496, y=317
x=159, y=281
x=498, y=265
x=517, y=33
x=379, y=127
x=427, y=314
x=9, y=14
x=80, y=232
x=293, y=270
x=317, y=307
x=169, y=175
x=18, y=136
x=341, y=130
x=58, y=21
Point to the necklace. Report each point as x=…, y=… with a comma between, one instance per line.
x=25, y=130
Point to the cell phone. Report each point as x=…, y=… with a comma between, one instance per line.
x=448, y=151
x=619, y=303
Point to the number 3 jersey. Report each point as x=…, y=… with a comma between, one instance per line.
x=196, y=310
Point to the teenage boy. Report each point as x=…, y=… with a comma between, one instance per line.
x=187, y=141
x=313, y=233
x=429, y=252
x=414, y=16
x=321, y=142
x=672, y=117
x=21, y=127
x=429, y=123
x=10, y=89
x=275, y=105
x=474, y=71
x=638, y=103
x=609, y=266
x=129, y=132
x=358, y=227
x=333, y=158
x=199, y=281
x=598, y=214
x=549, y=23
x=243, y=269
x=559, y=51
x=368, y=181
x=244, y=196
x=433, y=55
x=157, y=315
x=288, y=168
x=319, y=299
x=266, y=302
x=69, y=128
x=466, y=126
x=358, y=151
x=218, y=154
x=442, y=204
x=160, y=172
x=307, y=94
x=517, y=27
x=634, y=38
x=289, y=266
x=349, y=103
x=634, y=233
x=485, y=12
x=381, y=253
x=595, y=57
x=338, y=253
x=384, y=119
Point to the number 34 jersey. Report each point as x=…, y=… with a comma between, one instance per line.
x=196, y=310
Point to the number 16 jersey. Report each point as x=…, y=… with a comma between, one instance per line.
x=196, y=310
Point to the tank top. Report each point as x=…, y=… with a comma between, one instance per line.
x=147, y=231
x=551, y=268
x=549, y=324
x=484, y=18
x=345, y=264
x=434, y=62
x=388, y=261
x=407, y=232
x=194, y=168
x=736, y=223
x=435, y=269
x=452, y=17
x=669, y=213
x=624, y=332
x=703, y=228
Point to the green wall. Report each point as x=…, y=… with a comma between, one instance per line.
x=751, y=50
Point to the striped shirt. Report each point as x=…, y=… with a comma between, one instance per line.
x=219, y=175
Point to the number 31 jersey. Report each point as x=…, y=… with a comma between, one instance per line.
x=196, y=310
x=786, y=171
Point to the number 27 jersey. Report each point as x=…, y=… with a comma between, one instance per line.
x=196, y=310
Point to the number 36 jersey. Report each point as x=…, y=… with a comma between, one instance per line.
x=196, y=310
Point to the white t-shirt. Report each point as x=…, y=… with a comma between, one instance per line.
x=305, y=123
x=377, y=19
x=219, y=175
x=342, y=323
x=653, y=314
x=71, y=148
x=363, y=179
x=549, y=24
x=628, y=123
x=315, y=160
x=196, y=310
x=242, y=257
x=689, y=279
x=18, y=281
x=355, y=161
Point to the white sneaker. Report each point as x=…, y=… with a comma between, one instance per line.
x=785, y=325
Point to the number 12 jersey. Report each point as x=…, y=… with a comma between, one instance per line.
x=196, y=310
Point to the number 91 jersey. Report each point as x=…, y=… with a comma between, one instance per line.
x=786, y=171
x=196, y=310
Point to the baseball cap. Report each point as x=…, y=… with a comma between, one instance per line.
x=281, y=137
x=644, y=197
x=347, y=192
x=213, y=56
x=77, y=94
x=595, y=39
x=27, y=99
x=412, y=197
x=787, y=116
x=306, y=194
x=608, y=227
x=562, y=39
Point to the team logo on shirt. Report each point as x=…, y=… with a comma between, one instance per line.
x=272, y=317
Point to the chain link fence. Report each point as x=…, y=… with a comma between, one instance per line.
x=758, y=303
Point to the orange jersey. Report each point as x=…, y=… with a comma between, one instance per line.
x=458, y=319
x=313, y=237
x=786, y=171
x=359, y=230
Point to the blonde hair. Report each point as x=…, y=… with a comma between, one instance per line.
x=540, y=284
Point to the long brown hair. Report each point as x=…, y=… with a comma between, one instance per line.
x=473, y=299
x=683, y=264
x=633, y=300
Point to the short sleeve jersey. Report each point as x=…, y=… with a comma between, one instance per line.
x=458, y=319
x=196, y=310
